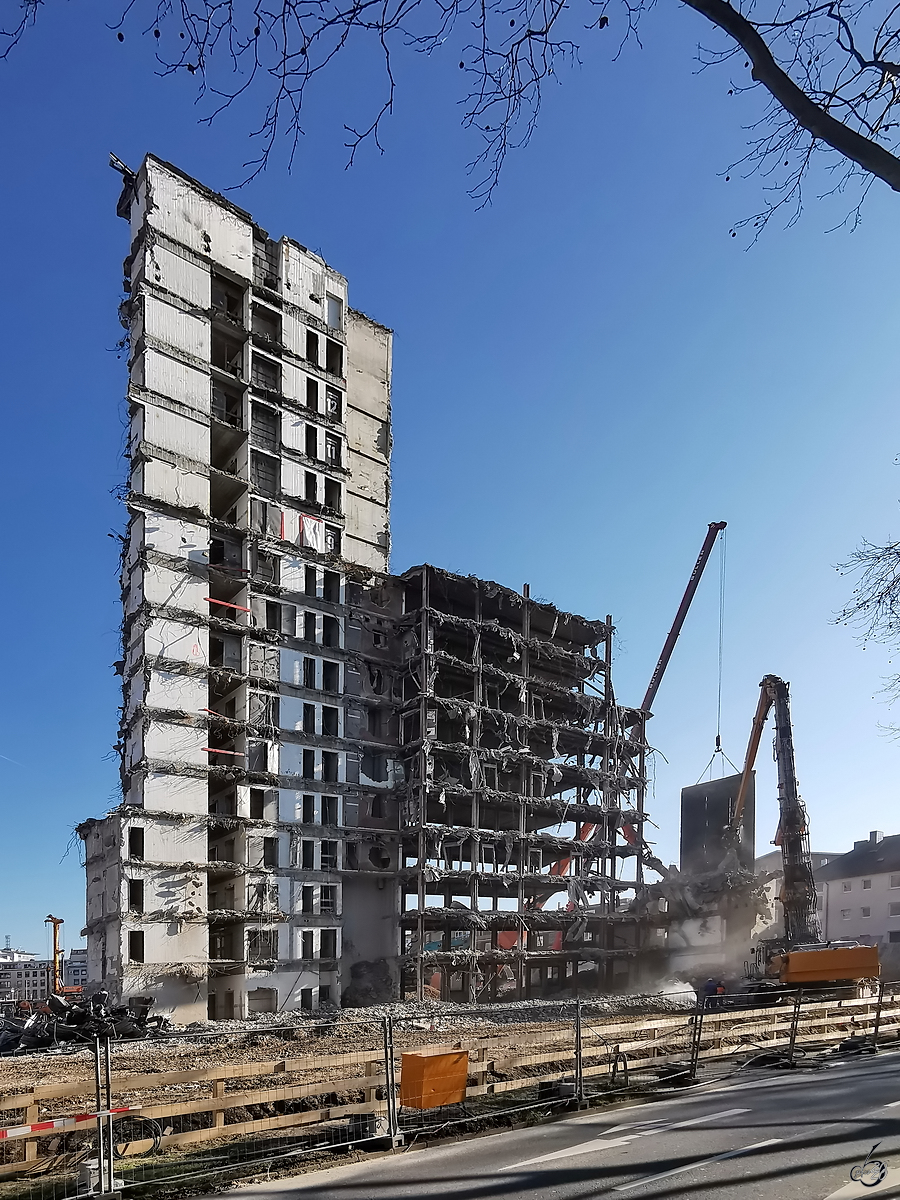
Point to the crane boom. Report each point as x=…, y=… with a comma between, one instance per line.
x=715, y=528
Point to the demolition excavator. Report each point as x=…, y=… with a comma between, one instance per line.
x=801, y=958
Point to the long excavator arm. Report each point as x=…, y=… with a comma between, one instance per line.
x=798, y=895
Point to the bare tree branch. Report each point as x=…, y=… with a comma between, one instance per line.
x=830, y=70
x=809, y=115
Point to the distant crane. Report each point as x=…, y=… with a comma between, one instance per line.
x=56, y=971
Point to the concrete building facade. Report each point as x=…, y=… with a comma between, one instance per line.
x=771, y=864
x=862, y=892
x=258, y=452
x=75, y=968
x=23, y=976
x=338, y=785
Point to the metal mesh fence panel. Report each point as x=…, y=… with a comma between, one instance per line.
x=212, y=1104
x=225, y=1104
x=518, y=1059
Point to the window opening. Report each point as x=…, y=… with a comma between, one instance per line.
x=331, y=589
x=329, y=810
x=226, y=298
x=333, y=404
x=264, y=425
x=329, y=856
x=328, y=947
x=227, y=405
x=266, y=324
x=262, y=945
x=334, y=312
x=329, y=766
x=331, y=631
x=332, y=450
x=264, y=474
x=136, y=946
x=264, y=373
x=226, y=353
x=333, y=495
x=136, y=842
x=330, y=676
x=334, y=357
x=329, y=721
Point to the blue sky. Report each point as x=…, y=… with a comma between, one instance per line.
x=586, y=373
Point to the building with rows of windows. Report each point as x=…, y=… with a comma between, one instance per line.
x=258, y=475
x=337, y=784
x=862, y=891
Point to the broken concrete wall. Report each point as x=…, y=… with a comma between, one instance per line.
x=368, y=441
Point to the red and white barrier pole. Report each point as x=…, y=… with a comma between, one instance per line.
x=18, y=1131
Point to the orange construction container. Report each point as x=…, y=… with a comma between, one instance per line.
x=432, y=1077
x=842, y=964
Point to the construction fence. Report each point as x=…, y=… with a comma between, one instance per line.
x=202, y=1108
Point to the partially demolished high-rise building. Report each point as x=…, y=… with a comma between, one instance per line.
x=337, y=784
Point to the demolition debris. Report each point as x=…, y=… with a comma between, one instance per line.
x=59, y=1022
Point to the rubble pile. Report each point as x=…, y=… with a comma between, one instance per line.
x=58, y=1022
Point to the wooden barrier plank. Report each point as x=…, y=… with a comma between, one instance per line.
x=228, y=1100
x=724, y=1033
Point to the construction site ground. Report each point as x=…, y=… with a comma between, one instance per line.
x=274, y=1036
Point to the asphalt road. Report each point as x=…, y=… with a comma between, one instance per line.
x=792, y=1136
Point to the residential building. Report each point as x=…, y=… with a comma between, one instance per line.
x=862, y=891
x=772, y=864
x=337, y=784
x=75, y=968
x=23, y=976
x=259, y=446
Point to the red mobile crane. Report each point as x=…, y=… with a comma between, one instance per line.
x=715, y=528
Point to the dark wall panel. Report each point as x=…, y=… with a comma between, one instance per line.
x=706, y=811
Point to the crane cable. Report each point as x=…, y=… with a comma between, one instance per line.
x=721, y=640
x=718, y=749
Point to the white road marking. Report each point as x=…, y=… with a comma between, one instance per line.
x=895, y=1104
x=703, y=1162
x=605, y=1142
